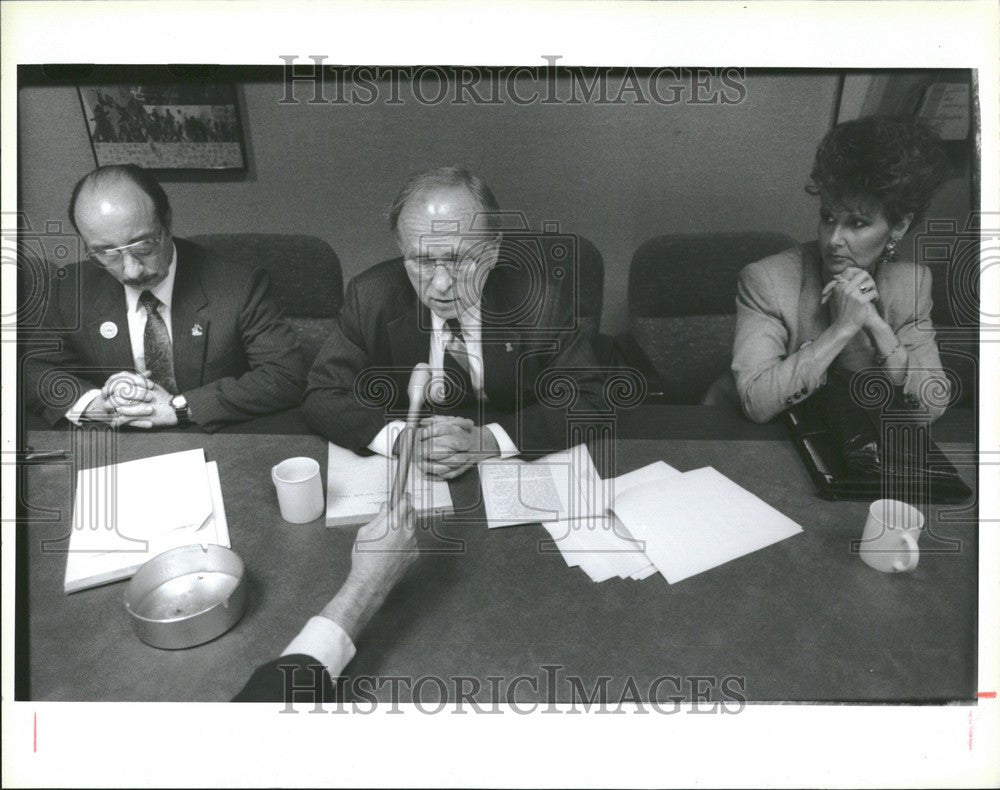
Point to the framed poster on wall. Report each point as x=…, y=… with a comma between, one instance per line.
x=168, y=126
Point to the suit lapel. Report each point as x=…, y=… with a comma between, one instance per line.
x=410, y=334
x=500, y=343
x=107, y=332
x=190, y=323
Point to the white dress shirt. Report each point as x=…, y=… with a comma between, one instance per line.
x=326, y=641
x=135, y=314
x=471, y=324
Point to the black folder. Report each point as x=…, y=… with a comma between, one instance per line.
x=916, y=470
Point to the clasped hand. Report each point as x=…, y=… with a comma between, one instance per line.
x=445, y=446
x=851, y=295
x=130, y=398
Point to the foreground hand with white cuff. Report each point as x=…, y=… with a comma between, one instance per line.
x=383, y=551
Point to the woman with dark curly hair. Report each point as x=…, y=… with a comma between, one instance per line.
x=843, y=303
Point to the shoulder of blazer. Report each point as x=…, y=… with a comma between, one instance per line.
x=385, y=289
x=219, y=276
x=904, y=275
x=781, y=274
x=900, y=286
x=98, y=290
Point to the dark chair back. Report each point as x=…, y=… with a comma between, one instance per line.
x=590, y=286
x=954, y=261
x=682, y=305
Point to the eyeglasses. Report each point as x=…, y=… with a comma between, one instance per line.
x=428, y=266
x=455, y=261
x=140, y=249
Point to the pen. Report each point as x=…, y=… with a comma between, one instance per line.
x=46, y=455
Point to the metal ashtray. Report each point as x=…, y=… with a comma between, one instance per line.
x=186, y=596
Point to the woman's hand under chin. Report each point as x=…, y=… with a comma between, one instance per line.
x=851, y=295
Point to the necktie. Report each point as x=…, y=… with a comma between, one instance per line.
x=456, y=360
x=156, y=344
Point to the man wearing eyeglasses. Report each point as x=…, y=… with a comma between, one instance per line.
x=167, y=334
x=490, y=324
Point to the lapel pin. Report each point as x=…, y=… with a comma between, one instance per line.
x=109, y=330
x=197, y=331
x=508, y=346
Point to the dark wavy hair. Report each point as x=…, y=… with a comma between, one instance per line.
x=897, y=162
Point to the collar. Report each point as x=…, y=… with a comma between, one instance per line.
x=162, y=291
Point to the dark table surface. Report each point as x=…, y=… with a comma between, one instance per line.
x=802, y=620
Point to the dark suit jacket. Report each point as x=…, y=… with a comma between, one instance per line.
x=245, y=360
x=269, y=682
x=531, y=346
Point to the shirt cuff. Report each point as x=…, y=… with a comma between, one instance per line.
x=507, y=448
x=325, y=641
x=75, y=414
x=384, y=440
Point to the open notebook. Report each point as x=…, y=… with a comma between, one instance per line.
x=356, y=486
x=125, y=514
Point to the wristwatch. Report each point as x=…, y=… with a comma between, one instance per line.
x=181, y=409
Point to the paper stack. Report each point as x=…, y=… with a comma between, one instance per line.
x=356, y=487
x=654, y=519
x=127, y=513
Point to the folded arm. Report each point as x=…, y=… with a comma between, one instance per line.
x=336, y=403
x=769, y=379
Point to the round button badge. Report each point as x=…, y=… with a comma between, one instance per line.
x=109, y=330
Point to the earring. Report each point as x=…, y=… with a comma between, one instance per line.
x=889, y=253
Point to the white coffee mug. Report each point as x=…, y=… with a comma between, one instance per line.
x=299, y=488
x=889, y=542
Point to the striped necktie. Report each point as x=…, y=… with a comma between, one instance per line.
x=156, y=344
x=456, y=359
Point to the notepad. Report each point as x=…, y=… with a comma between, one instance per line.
x=125, y=514
x=356, y=487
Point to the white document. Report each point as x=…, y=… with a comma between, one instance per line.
x=126, y=514
x=697, y=520
x=560, y=486
x=357, y=486
x=600, y=545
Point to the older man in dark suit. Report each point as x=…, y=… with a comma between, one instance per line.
x=153, y=331
x=492, y=318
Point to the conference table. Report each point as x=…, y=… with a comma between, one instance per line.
x=498, y=612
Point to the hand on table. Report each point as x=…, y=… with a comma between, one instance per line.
x=123, y=390
x=157, y=413
x=445, y=447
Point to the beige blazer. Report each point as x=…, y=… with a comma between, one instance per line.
x=778, y=312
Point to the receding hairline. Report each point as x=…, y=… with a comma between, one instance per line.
x=112, y=176
x=413, y=199
x=94, y=185
x=449, y=177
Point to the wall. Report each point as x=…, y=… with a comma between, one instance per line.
x=617, y=174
